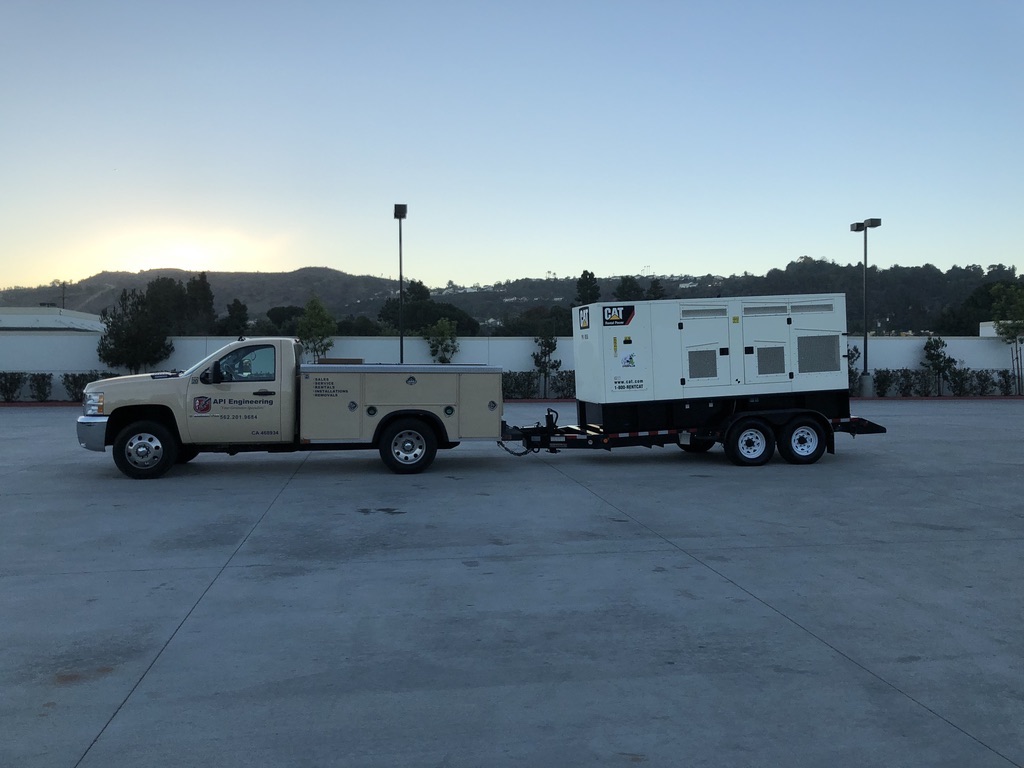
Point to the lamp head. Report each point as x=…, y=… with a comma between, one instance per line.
x=400, y=210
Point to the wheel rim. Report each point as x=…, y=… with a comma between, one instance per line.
x=751, y=444
x=144, y=450
x=804, y=441
x=408, y=447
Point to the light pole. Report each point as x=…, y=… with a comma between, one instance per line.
x=864, y=226
x=400, y=212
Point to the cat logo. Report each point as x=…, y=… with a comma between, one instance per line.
x=584, y=318
x=619, y=315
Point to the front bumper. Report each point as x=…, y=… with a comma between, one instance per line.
x=92, y=432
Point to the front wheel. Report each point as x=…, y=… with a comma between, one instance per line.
x=750, y=443
x=145, y=450
x=408, y=446
x=802, y=441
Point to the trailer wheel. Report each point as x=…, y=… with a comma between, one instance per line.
x=145, y=450
x=802, y=441
x=697, y=445
x=408, y=446
x=750, y=443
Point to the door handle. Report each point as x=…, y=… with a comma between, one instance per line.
x=264, y=392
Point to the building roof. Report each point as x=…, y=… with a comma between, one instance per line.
x=48, y=319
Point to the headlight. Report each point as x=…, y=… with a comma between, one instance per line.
x=92, y=404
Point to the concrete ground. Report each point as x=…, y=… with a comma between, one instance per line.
x=586, y=608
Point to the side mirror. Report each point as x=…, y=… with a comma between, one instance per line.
x=212, y=375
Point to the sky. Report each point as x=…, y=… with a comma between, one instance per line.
x=528, y=139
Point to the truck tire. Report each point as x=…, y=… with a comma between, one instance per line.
x=186, y=453
x=408, y=446
x=802, y=441
x=145, y=450
x=750, y=442
x=698, y=445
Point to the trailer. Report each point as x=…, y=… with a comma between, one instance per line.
x=751, y=373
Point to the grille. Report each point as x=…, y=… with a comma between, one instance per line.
x=766, y=309
x=704, y=312
x=703, y=364
x=771, y=360
x=811, y=308
x=817, y=354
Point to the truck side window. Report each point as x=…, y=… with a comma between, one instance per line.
x=249, y=364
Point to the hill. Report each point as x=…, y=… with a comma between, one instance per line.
x=916, y=299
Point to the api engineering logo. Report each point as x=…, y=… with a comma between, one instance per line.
x=202, y=405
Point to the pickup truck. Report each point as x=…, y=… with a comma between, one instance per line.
x=256, y=395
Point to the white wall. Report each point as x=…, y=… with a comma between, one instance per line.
x=59, y=352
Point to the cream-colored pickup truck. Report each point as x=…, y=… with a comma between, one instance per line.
x=256, y=395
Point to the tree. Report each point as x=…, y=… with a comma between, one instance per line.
x=131, y=337
x=237, y=321
x=200, y=316
x=316, y=327
x=285, y=318
x=1008, y=311
x=938, y=363
x=542, y=360
x=358, y=326
x=655, y=290
x=417, y=291
x=628, y=289
x=165, y=302
x=587, y=289
x=442, y=339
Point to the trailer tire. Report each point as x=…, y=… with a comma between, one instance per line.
x=750, y=442
x=145, y=450
x=408, y=446
x=802, y=441
x=697, y=445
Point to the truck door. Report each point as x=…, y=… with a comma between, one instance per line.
x=245, y=405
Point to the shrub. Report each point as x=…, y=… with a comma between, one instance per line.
x=923, y=381
x=852, y=356
x=983, y=382
x=40, y=385
x=1006, y=382
x=563, y=384
x=961, y=380
x=904, y=381
x=884, y=380
x=519, y=385
x=74, y=383
x=11, y=383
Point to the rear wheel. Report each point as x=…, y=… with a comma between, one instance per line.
x=408, y=446
x=802, y=441
x=145, y=450
x=750, y=443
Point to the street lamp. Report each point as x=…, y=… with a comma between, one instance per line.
x=400, y=212
x=864, y=226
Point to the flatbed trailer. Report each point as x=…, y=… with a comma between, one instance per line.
x=751, y=373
